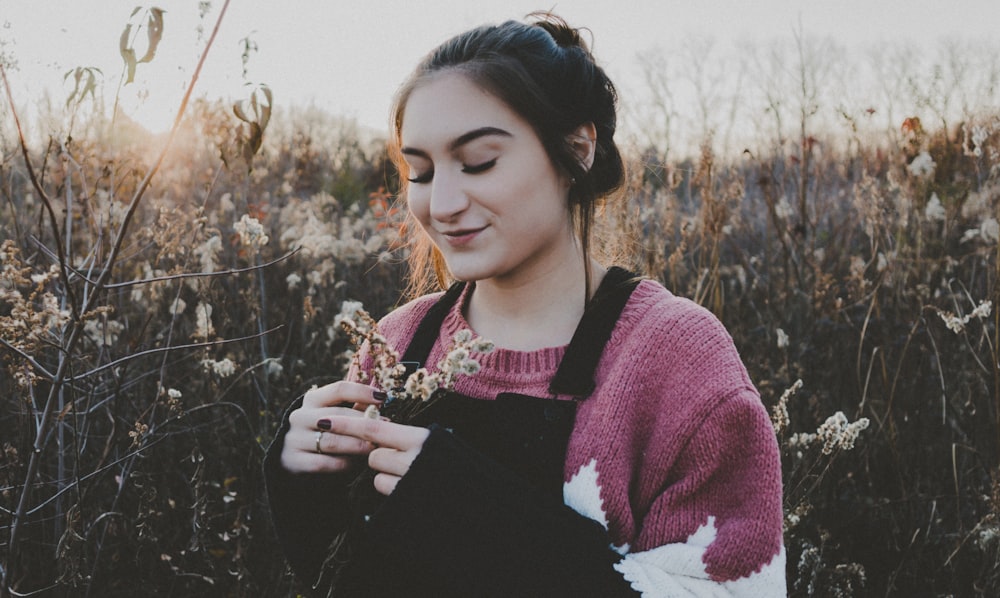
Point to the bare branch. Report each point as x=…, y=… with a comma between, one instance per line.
x=132, y=356
x=129, y=455
x=132, y=283
x=31, y=360
x=63, y=262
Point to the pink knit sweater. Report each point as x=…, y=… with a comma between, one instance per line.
x=673, y=453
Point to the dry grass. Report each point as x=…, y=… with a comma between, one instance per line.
x=147, y=397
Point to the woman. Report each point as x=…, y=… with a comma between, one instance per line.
x=612, y=444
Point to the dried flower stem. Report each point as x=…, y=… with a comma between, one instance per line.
x=409, y=394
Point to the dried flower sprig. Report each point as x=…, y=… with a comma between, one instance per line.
x=407, y=393
x=957, y=323
x=836, y=433
x=423, y=384
x=779, y=416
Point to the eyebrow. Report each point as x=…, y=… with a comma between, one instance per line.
x=461, y=140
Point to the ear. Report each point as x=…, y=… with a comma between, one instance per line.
x=584, y=143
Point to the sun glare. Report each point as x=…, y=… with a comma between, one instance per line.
x=153, y=110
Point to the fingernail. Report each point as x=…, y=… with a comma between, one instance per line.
x=378, y=395
x=323, y=424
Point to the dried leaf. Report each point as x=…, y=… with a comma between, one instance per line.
x=128, y=54
x=265, y=115
x=84, y=82
x=154, y=32
x=238, y=111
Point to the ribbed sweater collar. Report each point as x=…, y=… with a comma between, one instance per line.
x=508, y=368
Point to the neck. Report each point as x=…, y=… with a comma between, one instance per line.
x=534, y=311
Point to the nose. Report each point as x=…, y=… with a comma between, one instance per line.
x=448, y=197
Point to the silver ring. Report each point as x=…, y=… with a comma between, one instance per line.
x=319, y=436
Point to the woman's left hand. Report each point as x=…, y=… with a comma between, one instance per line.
x=398, y=445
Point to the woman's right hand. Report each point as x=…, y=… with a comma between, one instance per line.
x=336, y=453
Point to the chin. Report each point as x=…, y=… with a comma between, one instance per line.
x=467, y=271
x=467, y=274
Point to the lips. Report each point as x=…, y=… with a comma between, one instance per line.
x=459, y=237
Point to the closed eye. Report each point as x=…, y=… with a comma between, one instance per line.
x=422, y=178
x=467, y=169
x=477, y=168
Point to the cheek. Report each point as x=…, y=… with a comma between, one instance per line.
x=542, y=197
x=418, y=204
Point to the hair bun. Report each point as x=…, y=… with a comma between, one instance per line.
x=564, y=35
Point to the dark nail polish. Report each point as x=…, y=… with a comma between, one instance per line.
x=323, y=424
x=378, y=395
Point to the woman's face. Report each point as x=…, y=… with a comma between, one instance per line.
x=481, y=184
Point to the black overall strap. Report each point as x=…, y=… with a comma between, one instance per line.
x=430, y=328
x=575, y=375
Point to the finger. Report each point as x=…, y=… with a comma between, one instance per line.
x=307, y=418
x=391, y=461
x=385, y=483
x=332, y=444
x=335, y=453
x=303, y=462
x=297, y=460
x=380, y=432
x=341, y=393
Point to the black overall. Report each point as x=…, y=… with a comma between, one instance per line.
x=526, y=435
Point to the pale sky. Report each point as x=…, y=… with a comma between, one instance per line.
x=348, y=57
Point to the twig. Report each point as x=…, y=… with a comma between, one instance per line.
x=147, y=445
x=944, y=393
x=128, y=358
x=38, y=367
x=899, y=368
x=868, y=378
x=42, y=194
x=37, y=592
x=132, y=283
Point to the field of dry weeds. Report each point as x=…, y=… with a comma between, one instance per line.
x=159, y=309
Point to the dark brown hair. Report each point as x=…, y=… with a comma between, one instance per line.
x=544, y=71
